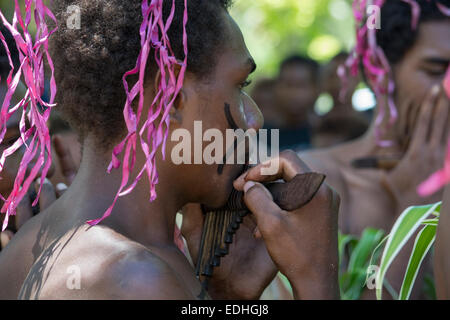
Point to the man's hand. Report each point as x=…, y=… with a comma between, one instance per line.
x=301, y=244
x=425, y=154
x=245, y=272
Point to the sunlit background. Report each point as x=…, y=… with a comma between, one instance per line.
x=274, y=29
x=319, y=29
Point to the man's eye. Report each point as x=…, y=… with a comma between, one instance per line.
x=436, y=71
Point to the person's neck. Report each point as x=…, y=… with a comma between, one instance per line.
x=134, y=216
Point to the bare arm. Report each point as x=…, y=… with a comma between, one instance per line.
x=141, y=276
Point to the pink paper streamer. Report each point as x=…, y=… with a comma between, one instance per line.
x=445, y=10
x=415, y=9
x=36, y=139
x=376, y=67
x=447, y=82
x=151, y=136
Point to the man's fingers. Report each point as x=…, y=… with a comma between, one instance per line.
x=424, y=122
x=440, y=124
x=286, y=166
x=24, y=211
x=259, y=201
x=405, y=119
x=68, y=166
x=48, y=195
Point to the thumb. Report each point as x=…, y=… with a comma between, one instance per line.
x=260, y=202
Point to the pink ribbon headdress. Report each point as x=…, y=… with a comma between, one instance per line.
x=367, y=55
x=36, y=138
x=151, y=135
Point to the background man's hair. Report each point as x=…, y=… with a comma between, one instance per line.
x=396, y=36
x=90, y=61
x=298, y=60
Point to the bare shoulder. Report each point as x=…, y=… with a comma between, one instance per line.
x=139, y=274
x=325, y=161
x=101, y=264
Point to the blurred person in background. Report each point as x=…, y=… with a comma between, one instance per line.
x=263, y=94
x=343, y=122
x=376, y=183
x=335, y=130
x=296, y=91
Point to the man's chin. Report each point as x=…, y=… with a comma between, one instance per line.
x=222, y=193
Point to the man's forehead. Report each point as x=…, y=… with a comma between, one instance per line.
x=434, y=40
x=235, y=51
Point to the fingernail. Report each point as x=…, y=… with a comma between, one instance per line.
x=248, y=185
x=61, y=186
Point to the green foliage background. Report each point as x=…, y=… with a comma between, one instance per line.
x=276, y=28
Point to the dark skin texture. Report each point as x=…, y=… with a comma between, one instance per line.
x=131, y=255
x=376, y=197
x=262, y=247
x=296, y=91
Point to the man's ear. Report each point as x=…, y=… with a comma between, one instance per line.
x=176, y=111
x=179, y=105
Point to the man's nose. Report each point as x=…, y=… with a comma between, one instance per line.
x=253, y=116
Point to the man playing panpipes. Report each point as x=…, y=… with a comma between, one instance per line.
x=127, y=251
